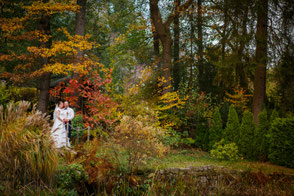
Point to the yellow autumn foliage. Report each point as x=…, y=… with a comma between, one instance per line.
x=61, y=53
x=140, y=137
x=169, y=103
x=238, y=98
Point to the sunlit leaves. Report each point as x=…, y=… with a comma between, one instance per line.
x=141, y=139
x=98, y=105
x=51, y=7
x=60, y=51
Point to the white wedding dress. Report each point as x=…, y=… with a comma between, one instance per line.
x=58, y=131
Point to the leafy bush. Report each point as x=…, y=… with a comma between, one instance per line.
x=216, y=130
x=77, y=123
x=274, y=115
x=281, y=136
x=202, y=136
x=140, y=138
x=261, y=141
x=99, y=132
x=168, y=109
x=16, y=94
x=225, y=151
x=4, y=94
x=171, y=138
x=247, y=130
x=196, y=113
x=175, y=138
x=232, y=130
x=24, y=93
x=70, y=176
x=185, y=139
x=97, y=168
x=27, y=152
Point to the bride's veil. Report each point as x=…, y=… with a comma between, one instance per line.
x=54, y=113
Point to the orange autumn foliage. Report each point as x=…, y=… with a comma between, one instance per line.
x=238, y=98
x=98, y=107
x=61, y=54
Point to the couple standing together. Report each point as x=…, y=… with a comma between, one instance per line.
x=61, y=130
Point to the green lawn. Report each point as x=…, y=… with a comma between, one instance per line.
x=194, y=157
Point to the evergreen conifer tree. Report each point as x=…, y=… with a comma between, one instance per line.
x=261, y=143
x=247, y=130
x=274, y=115
x=216, y=131
x=232, y=130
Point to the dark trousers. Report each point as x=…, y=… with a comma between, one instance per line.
x=69, y=129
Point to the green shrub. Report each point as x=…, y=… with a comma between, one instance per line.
x=23, y=93
x=216, y=130
x=69, y=176
x=274, y=115
x=77, y=123
x=224, y=110
x=175, y=138
x=99, y=132
x=247, y=130
x=281, y=138
x=4, y=94
x=232, y=130
x=225, y=151
x=171, y=138
x=185, y=139
x=17, y=94
x=202, y=136
x=261, y=141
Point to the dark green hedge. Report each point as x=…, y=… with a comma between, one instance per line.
x=281, y=151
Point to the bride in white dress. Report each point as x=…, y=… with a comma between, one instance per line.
x=58, y=131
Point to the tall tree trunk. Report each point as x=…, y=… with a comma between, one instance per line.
x=80, y=29
x=176, y=67
x=191, y=17
x=240, y=65
x=156, y=44
x=164, y=35
x=261, y=58
x=201, y=74
x=44, y=91
x=167, y=62
x=224, y=33
x=155, y=41
x=44, y=26
x=163, y=30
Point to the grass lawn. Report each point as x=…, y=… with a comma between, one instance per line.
x=194, y=157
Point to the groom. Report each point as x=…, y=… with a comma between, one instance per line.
x=69, y=115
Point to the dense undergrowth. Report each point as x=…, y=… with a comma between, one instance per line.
x=128, y=159
x=27, y=154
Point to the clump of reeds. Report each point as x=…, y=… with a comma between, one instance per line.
x=27, y=153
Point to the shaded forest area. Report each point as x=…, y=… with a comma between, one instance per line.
x=201, y=46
